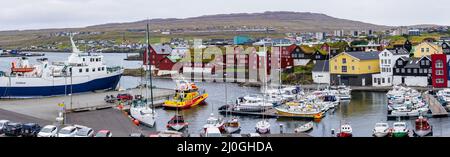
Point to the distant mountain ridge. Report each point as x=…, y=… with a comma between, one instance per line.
x=283, y=21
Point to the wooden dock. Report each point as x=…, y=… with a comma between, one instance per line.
x=437, y=110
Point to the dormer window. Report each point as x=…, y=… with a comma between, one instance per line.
x=399, y=62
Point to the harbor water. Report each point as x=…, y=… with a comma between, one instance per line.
x=364, y=110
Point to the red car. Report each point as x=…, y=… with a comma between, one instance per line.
x=124, y=97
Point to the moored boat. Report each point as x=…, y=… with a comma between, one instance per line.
x=177, y=123
x=345, y=131
x=423, y=127
x=187, y=96
x=263, y=127
x=304, y=128
x=140, y=111
x=232, y=126
x=381, y=129
x=214, y=122
x=400, y=130
x=299, y=110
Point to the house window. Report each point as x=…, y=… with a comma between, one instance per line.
x=382, y=80
x=87, y=70
x=93, y=69
x=389, y=61
x=399, y=62
x=370, y=68
x=344, y=69
x=439, y=72
x=428, y=49
x=425, y=71
x=409, y=71
x=422, y=50
x=415, y=71
x=403, y=71
x=335, y=67
x=80, y=70
x=353, y=68
x=420, y=71
x=397, y=70
x=439, y=80
x=429, y=71
x=439, y=64
x=427, y=62
x=389, y=80
x=344, y=60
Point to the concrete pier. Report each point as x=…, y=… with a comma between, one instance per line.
x=47, y=108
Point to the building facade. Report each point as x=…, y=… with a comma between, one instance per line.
x=387, y=62
x=354, y=68
x=426, y=49
x=413, y=71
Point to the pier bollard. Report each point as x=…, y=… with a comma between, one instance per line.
x=281, y=128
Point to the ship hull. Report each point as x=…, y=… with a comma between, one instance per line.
x=55, y=89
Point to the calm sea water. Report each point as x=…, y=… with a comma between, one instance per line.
x=365, y=109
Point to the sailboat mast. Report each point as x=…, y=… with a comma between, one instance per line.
x=150, y=64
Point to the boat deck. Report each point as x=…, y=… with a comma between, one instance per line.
x=271, y=113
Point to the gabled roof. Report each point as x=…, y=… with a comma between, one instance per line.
x=364, y=55
x=413, y=63
x=321, y=66
x=162, y=49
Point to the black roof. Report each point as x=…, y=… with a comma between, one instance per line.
x=365, y=55
x=319, y=66
x=413, y=63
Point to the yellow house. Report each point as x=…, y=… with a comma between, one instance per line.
x=426, y=49
x=354, y=68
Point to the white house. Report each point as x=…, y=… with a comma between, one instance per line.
x=321, y=72
x=387, y=62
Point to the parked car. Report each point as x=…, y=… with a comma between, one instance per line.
x=103, y=133
x=85, y=132
x=3, y=124
x=30, y=130
x=124, y=97
x=13, y=129
x=137, y=135
x=48, y=131
x=68, y=131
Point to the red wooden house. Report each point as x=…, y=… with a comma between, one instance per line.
x=439, y=70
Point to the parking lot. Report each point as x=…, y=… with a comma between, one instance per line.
x=21, y=118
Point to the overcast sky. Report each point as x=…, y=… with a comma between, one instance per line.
x=37, y=14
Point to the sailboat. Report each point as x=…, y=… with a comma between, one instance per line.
x=263, y=127
x=140, y=109
x=232, y=125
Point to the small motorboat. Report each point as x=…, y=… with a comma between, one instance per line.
x=263, y=127
x=381, y=129
x=212, y=122
x=400, y=130
x=423, y=128
x=346, y=131
x=304, y=128
x=233, y=126
x=177, y=123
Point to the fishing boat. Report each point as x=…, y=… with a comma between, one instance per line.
x=214, y=122
x=81, y=72
x=381, y=129
x=177, y=123
x=400, y=130
x=263, y=127
x=404, y=111
x=187, y=96
x=293, y=109
x=233, y=126
x=140, y=111
x=345, y=131
x=423, y=128
x=304, y=128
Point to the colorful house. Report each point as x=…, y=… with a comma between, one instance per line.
x=439, y=74
x=354, y=68
x=301, y=55
x=413, y=71
x=387, y=62
x=426, y=49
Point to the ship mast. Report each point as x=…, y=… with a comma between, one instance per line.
x=150, y=65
